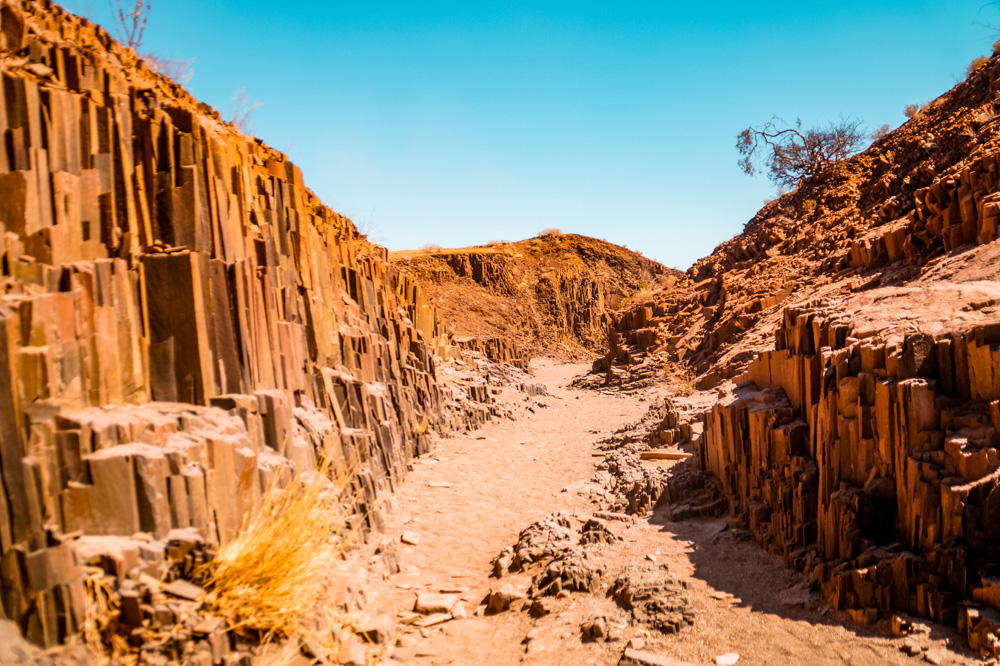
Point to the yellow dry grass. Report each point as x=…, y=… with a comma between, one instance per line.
x=680, y=378
x=101, y=611
x=270, y=578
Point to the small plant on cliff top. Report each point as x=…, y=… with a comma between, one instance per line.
x=178, y=71
x=790, y=154
x=549, y=232
x=976, y=65
x=880, y=133
x=242, y=109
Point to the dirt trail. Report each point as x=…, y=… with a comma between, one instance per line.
x=472, y=497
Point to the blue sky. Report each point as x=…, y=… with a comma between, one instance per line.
x=458, y=123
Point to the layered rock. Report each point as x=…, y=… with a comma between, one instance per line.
x=181, y=322
x=548, y=295
x=873, y=463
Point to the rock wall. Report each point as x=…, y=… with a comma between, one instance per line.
x=181, y=321
x=872, y=464
x=549, y=295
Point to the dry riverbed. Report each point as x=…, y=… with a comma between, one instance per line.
x=715, y=591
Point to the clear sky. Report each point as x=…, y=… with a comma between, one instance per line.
x=458, y=123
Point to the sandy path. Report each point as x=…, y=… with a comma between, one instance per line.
x=512, y=473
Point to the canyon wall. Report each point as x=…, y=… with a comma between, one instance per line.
x=872, y=462
x=181, y=323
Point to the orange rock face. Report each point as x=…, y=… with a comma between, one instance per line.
x=181, y=322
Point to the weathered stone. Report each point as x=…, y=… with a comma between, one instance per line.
x=429, y=602
x=185, y=590
x=595, y=630
x=654, y=598
x=497, y=601
x=634, y=657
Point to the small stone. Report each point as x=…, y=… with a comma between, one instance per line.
x=39, y=69
x=540, y=608
x=440, y=484
x=935, y=656
x=411, y=538
x=899, y=627
x=459, y=612
x=429, y=602
x=639, y=658
x=563, y=594
x=499, y=601
x=727, y=659
x=378, y=630
x=209, y=625
x=651, y=558
x=352, y=653
x=184, y=589
x=637, y=643
x=595, y=629
x=910, y=647
x=432, y=619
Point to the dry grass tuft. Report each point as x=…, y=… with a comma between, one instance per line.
x=269, y=579
x=101, y=614
x=680, y=378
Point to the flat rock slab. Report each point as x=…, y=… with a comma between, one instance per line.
x=429, y=602
x=640, y=658
x=185, y=590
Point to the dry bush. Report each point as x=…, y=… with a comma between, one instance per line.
x=880, y=133
x=996, y=47
x=976, y=65
x=430, y=247
x=269, y=579
x=178, y=71
x=643, y=295
x=549, y=232
x=680, y=378
x=912, y=110
x=243, y=108
x=100, y=619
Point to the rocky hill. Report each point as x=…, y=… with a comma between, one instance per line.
x=549, y=295
x=852, y=332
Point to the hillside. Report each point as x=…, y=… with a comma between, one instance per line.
x=548, y=295
x=882, y=217
x=850, y=337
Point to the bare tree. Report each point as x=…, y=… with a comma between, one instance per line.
x=131, y=20
x=243, y=108
x=790, y=154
